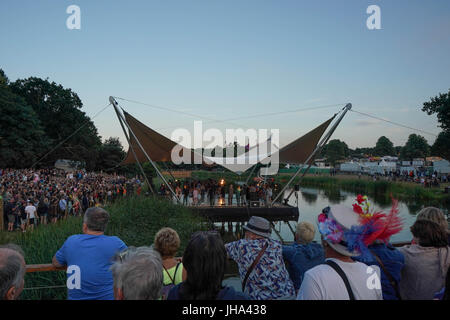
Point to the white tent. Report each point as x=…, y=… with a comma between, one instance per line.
x=442, y=166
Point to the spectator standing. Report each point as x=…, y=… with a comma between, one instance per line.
x=381, y=253
x=426, y=261
x=167, y=243
x=303, y=254
x=31, y=212
x=12, y=272
x=260, y=261
x=90, y=256
x=341, y=278
x=137, y=274
x=43, y=209
x=205, y=259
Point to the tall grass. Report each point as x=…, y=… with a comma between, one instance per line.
x=135, y=220
x=404, y=191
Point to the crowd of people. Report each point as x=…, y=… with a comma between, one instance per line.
x=33, y=197
x=355, y=261
x=217, y=192
x=425, y=178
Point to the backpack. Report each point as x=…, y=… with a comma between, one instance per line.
x=166, y=289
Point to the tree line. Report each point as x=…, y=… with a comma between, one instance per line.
x=37, y=115
x=416, y=145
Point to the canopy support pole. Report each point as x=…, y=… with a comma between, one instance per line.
x=132, y=150
x=311, y=156
x=121, y=117
x=251, y=172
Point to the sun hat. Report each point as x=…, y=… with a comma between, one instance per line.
x=259, y=226
x=350, y=231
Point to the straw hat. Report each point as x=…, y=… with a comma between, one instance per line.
x=259, y=226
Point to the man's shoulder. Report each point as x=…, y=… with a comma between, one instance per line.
x=318, y=271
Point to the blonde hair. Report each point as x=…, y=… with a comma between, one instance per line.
x=305, y=232
x=167, y=242
x=433, y=214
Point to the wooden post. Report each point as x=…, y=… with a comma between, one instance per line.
x=2, y=223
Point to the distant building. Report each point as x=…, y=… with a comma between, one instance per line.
x=350, y=167
x=442, y=166
x=68, y=165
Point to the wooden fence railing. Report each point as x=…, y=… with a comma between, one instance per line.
x=49, y=267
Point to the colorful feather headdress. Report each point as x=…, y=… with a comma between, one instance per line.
x=373, y=226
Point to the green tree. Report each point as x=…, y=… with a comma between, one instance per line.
x=22, y=137
x=335, y=150
x=415, y=147
x=111, y=153
x=440, y=105
x=384, y=147
x=441, y=146
x=58, y=110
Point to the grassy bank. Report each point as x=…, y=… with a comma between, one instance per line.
x=400, y=190
x=135, y=220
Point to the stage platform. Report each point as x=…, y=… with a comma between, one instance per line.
x=234, y=213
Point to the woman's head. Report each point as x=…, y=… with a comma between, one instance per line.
x=433, y=214
x=305, y=232
x=204, y=260
x=166, y=242
x=429, y=234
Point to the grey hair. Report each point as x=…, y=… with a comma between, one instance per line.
x=96, y=219
x=12, y=268
x=138, y=272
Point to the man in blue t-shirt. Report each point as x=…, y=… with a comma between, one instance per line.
x=88, y=258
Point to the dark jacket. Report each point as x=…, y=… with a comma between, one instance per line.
x=301, y=258
x=393, y=260
x=227, y=293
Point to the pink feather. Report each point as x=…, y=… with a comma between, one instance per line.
x=392, y=223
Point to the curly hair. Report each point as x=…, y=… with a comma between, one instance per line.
x=166, y=242
x=429, y=233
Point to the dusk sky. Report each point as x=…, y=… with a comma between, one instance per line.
x=230, y=59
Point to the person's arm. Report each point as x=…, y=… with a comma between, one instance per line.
x=231, y=249
x=56, y=263
x=59, y=260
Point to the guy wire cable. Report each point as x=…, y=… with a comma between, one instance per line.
x=70, y=136
x=394, y=123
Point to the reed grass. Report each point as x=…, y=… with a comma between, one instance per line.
x=135, y=220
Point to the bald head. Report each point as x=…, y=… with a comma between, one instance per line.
x=12, y=271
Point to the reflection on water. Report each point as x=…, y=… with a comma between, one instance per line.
x=311, y=201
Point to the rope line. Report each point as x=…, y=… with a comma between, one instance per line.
x=392, y=122
x=70, y=136
x=230, y=119
x=169, y=109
